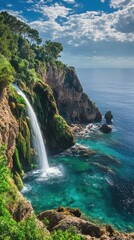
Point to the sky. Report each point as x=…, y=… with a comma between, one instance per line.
x=94, y=33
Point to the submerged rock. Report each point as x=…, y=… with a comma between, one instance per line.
x=79, y=150
x=104, y=168
x=105, y=128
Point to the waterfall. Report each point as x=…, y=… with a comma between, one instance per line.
x=38, y=139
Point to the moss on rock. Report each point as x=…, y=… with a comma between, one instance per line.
x=18, y=180
x=22, y=155
x=55, y=129
x=16, y=163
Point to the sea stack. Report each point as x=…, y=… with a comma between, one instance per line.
x=108, y=117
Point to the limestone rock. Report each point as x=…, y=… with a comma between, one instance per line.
x=73, y=104
x=8, y=127
x=70, y=211
x=105, y=128
x=83, y=227
x=53, y=216
x=65, y=218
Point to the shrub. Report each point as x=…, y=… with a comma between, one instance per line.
x=69, y=234
x=6, y=72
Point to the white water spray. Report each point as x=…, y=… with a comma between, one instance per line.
x=38, y=139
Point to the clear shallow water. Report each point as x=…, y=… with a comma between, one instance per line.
x=105, y=196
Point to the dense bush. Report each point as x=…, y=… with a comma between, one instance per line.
x=6, y=72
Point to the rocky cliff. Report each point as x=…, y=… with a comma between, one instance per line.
x=73, y=104
x=8, y=127
x=65, y=218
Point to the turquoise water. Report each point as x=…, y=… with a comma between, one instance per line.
x=86, y=182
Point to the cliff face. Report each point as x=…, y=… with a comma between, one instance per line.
x=73, y=104
x=8, y=127
x=57, y=133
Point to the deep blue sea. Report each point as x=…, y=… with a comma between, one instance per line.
x=105, y=196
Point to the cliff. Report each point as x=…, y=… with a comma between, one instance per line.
x=73, y=104
x=9, y=128
x=55, y=93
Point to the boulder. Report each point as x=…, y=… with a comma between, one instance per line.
x=79, y=150
x=82, y=226
x=52, y=216
x=71, y=211
x=105, y=128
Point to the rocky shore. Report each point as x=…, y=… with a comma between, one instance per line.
x=65, y=218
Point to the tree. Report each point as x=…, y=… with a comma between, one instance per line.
x=52, y=49
x=8, y=41
x=21, y=28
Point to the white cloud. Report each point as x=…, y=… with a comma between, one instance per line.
x=125, y=20
x=89, y=33
x=29, y=1
x=78, y=29
x=103, y=1
x=9, y=5
x=120, y=3
x=55, y=11
x=69, y=1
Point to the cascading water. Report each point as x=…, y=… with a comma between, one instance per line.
x=38, y=139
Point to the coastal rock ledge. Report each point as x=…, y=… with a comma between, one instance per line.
x=64, y=218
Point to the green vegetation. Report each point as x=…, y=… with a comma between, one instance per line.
x=18, y=181
x=20, y=44
x=28, y=228
x=24, y=61
x=9, y=228
x=52, y=50
x=65, y=235
x=51, y=122
x=6, y=73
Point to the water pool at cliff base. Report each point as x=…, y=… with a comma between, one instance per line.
x=102, y=184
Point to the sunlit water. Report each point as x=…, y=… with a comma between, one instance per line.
x=105, y=196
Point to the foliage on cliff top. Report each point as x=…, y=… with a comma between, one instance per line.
x=20, y=44
x=6, y=72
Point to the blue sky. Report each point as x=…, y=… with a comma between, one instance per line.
x=94, y=33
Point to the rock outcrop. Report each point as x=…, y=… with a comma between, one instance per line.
x=105, y=128
x=73, y=104
x=65, y=218
x=8, y=127
x=108, y=117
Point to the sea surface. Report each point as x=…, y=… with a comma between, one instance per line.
x=101, y=185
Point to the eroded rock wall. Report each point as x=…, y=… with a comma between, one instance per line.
x=73, y=104
x=8, y=127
